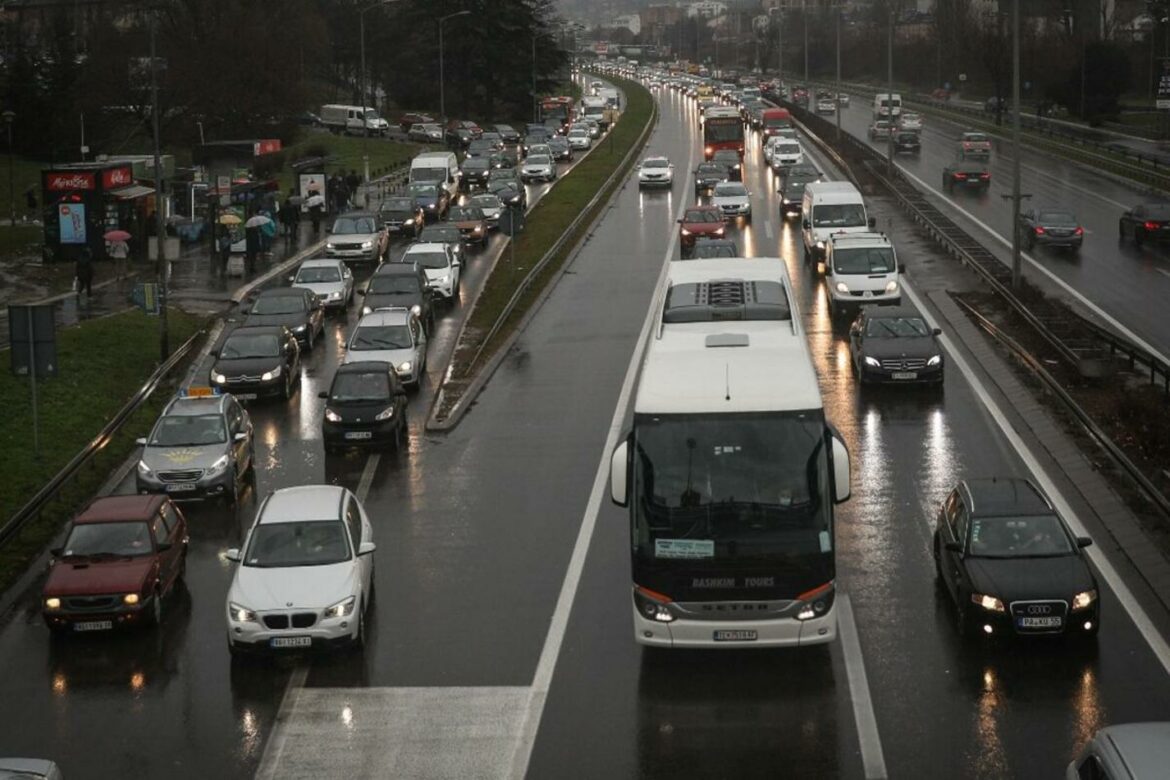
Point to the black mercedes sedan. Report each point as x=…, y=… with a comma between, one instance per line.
x=364, y=406
x=894, y=344
x=256, y=361
x=1010, y=563
x=400, y=216
x=296, y=308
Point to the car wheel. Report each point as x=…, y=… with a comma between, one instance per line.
x=288, y=381
x=1139, y=237
x=311, y=340
x=156, y=609
x=232, y=495
x=358, y=643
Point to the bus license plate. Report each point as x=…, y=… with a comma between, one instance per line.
x=904, y=375
x=1040, y=622
x=736, y=636
x=93, y=625
x=291, y=641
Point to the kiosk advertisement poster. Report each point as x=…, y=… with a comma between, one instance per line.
x=71, y=220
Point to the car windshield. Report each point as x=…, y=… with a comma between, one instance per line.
x=1058, y=218
x=353, y=226
x=390, y=284
x=1018, y=537
x=896, y=327
x=440, y=234
x=188, y=430
x=869, y=260
x=712, y=168
x=838, y=215
x=318, y=273
x=976, y=138
x=656, y=163
x=278, y=304
x=475, y=163
x=538, y=159
x=371, y=114
x=239, y=346
x=706, y=249
x=381, y=337
x=726, y=158
x=397, y=204
x=486, y=202
x=310, y=543
x=423, y=189
x=730, y=189
x=129, y=538
x=699, y=215
x=464, y=213
x=350, y=386
x=431, y=260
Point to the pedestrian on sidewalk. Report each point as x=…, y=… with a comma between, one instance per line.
x=225, y=251
x=84, y=272
x=289, y=216
x=315, y=212
x=352, y=182
x=30, y=200
x=251, y=248
x=118, y=252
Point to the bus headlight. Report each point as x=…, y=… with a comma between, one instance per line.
x=817, y=602
x=652, y=606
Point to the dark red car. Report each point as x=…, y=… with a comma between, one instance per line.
x=406, y=120
x=122, y=557
x=465, y=124
x=700, y=221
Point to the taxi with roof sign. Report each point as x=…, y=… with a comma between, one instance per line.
x=200, y=447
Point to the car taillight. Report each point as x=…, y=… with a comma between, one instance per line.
x=985, y=176
x=1039, y=230
x=959, y=175
x=1151, y=225
x=1079, y=231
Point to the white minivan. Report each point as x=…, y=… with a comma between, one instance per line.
x=441, y=167
x=827, y=208
x=861, y=269
x=353, y=119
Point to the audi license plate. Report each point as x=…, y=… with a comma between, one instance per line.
x=93, y=625
x=1039, y=622
x=290, y=641
x=904, y=375
x=180, y=487
x=736, y=636
x=359, y=435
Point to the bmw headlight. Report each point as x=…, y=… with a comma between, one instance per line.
x=934, y=360
x=842, y=288
x=872, y=361
x=386, y=413
x=268, y=376
x=1084, y=599
x=218, y=466
x=404, y=368
x=240, y=614
x=341, y=608
x=989, y=603
x=892, y=287
x=144, y=469
x=331, y=415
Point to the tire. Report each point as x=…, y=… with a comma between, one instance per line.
x=311, y=340
x=288, y=380
x=232, y=496
x=156, y=610
x=358, y=643
x=1138, y=237
x=1120, y=230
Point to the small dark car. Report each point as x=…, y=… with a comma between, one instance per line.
x=1010, y=563
x=707, y=175
x=561, y=149
x=401, y=216
x=894, y=344
x=122, y=558
x=406, y=121
x=296, y=308
x=465, y=124
x=400, y=286
x=431, y=198
x=907, y=142
x=445, y=233
x=792, y=185
x=1051, y=227
x=510, y=191
x=475, y=172
x=256, y=361
x=714, y=247
x=1145, y=222
x=536, y=136
x=481, y=147
x=506, y=159
x=364, y=406
x=730, y=159
x=471, y=222
x=508, y=133
x=968, y=174
x=459, y=137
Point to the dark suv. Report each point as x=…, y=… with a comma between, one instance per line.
x=401, y=216
x=400, y=286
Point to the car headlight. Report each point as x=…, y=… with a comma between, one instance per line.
x=404, y=368
x=820, y=245
x=431, y=206
x=478, y=229
x=652, y=607
x=409, y=222
x=872, y=361
x=330, y=247
x=388, y=412
x=218, y=466
x=299, y=329
x=1084, y=599
x=366, y=310
x=367, y=244
x=842, y=288
x=990, y=603
x=934, y=361
x=130, y=599
x=817, y=602
x=416, y=310
x=52, y=603
x=892, y=287
x=240, y=614
x=270, y=375
x=217, y=379
x=335, y=296
x=331, y=415
x=686, y=232
x=719, y=232
x=341, y=608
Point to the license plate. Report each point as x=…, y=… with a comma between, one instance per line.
x=904, y=375
x=93, y=625
x=736, y=636
x=358, y=434
x=291, y=641
x=180, y=487
x=1040, y=622
x=245, y=396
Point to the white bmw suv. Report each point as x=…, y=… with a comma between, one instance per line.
x=305, y=575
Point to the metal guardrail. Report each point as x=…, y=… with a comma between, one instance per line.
x=54, y=486
x=555, y=249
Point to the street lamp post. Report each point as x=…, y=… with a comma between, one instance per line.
x=442, y=93
x=837, y=87
x=362, y=83
x=1015, y=144
x=804, y=27
x=780, y=46
x=890, y=99
x=160, y=228
x=9, y=116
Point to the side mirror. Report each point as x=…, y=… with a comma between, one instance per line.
x=901, y=268
x=954, y=547
x=1083, y=541
x=214, y=353
x=872, y=223
x=937, y=331
x=164, y=546
x=804, y=223
x=619, y=470
x=679, y=221
x=233, y=554
x=141, y=441
x=292, y=277
x=323, y=394
x=841, y=486
x=241, y=436
x=56, y=551
x=455, y=263
x=365, y=548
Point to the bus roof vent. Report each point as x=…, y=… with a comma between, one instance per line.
x=728, y=340
x=726, y=299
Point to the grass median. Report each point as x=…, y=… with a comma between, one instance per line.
x=102, y=363
x=345, y=153
x=544, y=226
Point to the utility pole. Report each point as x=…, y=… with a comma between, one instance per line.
x=160, y=228
x=890, y=98
x=535, y=102
x=837, y=88
x=1016, y=144
x=780, y=45
x=804, y=26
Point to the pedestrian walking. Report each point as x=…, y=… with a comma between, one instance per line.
x=289, y=216
x=30, y=201
x=224, y=254
x=251, y=248
x=84, y=272
x=118, y=251
x=316, y=210
x=352, y=182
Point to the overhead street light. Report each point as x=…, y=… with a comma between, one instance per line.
x=442, y=93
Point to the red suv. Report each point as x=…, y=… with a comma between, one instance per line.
x=700, y=221
x=123, y=556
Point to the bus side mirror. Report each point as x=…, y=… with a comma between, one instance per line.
x=619, y=469
x=872, y=223
x=840, y=470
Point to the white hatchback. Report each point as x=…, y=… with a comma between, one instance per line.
x=329, y=277
x=439, y=264
x=305, y=575
x=732, y=199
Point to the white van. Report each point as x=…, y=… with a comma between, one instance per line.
x=860, y=269
x=883, y=104
x=442, y=167
x=830, y=207
x=353, y=119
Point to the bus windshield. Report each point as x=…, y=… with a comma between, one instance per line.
x=723, y=130
x=714, y=488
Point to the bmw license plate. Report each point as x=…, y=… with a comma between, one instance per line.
x=290, y=641
x=93, y=625
x=359, y=435
x=1039, y=622
x=904, y=375
x=180, y=487
x=736, y=636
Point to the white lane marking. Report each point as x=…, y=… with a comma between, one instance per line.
x=559, y=624
x=367, y=478
x=872, y=757
x=1137, y=340
x=768, y=229
x=1140, y=619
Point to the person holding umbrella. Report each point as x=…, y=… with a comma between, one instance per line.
x=316, y=204
x=118, y=250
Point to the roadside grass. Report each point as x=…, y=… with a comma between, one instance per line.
x=102, y=363
x=544, y=226
x=20, y=240
x=346, y=152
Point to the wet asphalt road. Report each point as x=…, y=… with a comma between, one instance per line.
x=476, y=530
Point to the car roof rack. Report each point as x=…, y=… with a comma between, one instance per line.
x=726, y=299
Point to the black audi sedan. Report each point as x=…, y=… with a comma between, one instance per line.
x=296, y=308
x=364, y=406
x=1010, y=563
x=257, y=360
x=895, y=344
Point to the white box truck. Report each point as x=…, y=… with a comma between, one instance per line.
x=353, y=119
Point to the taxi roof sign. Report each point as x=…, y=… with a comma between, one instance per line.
x=198, y=391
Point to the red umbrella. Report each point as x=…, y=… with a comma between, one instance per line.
x=116, y=235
